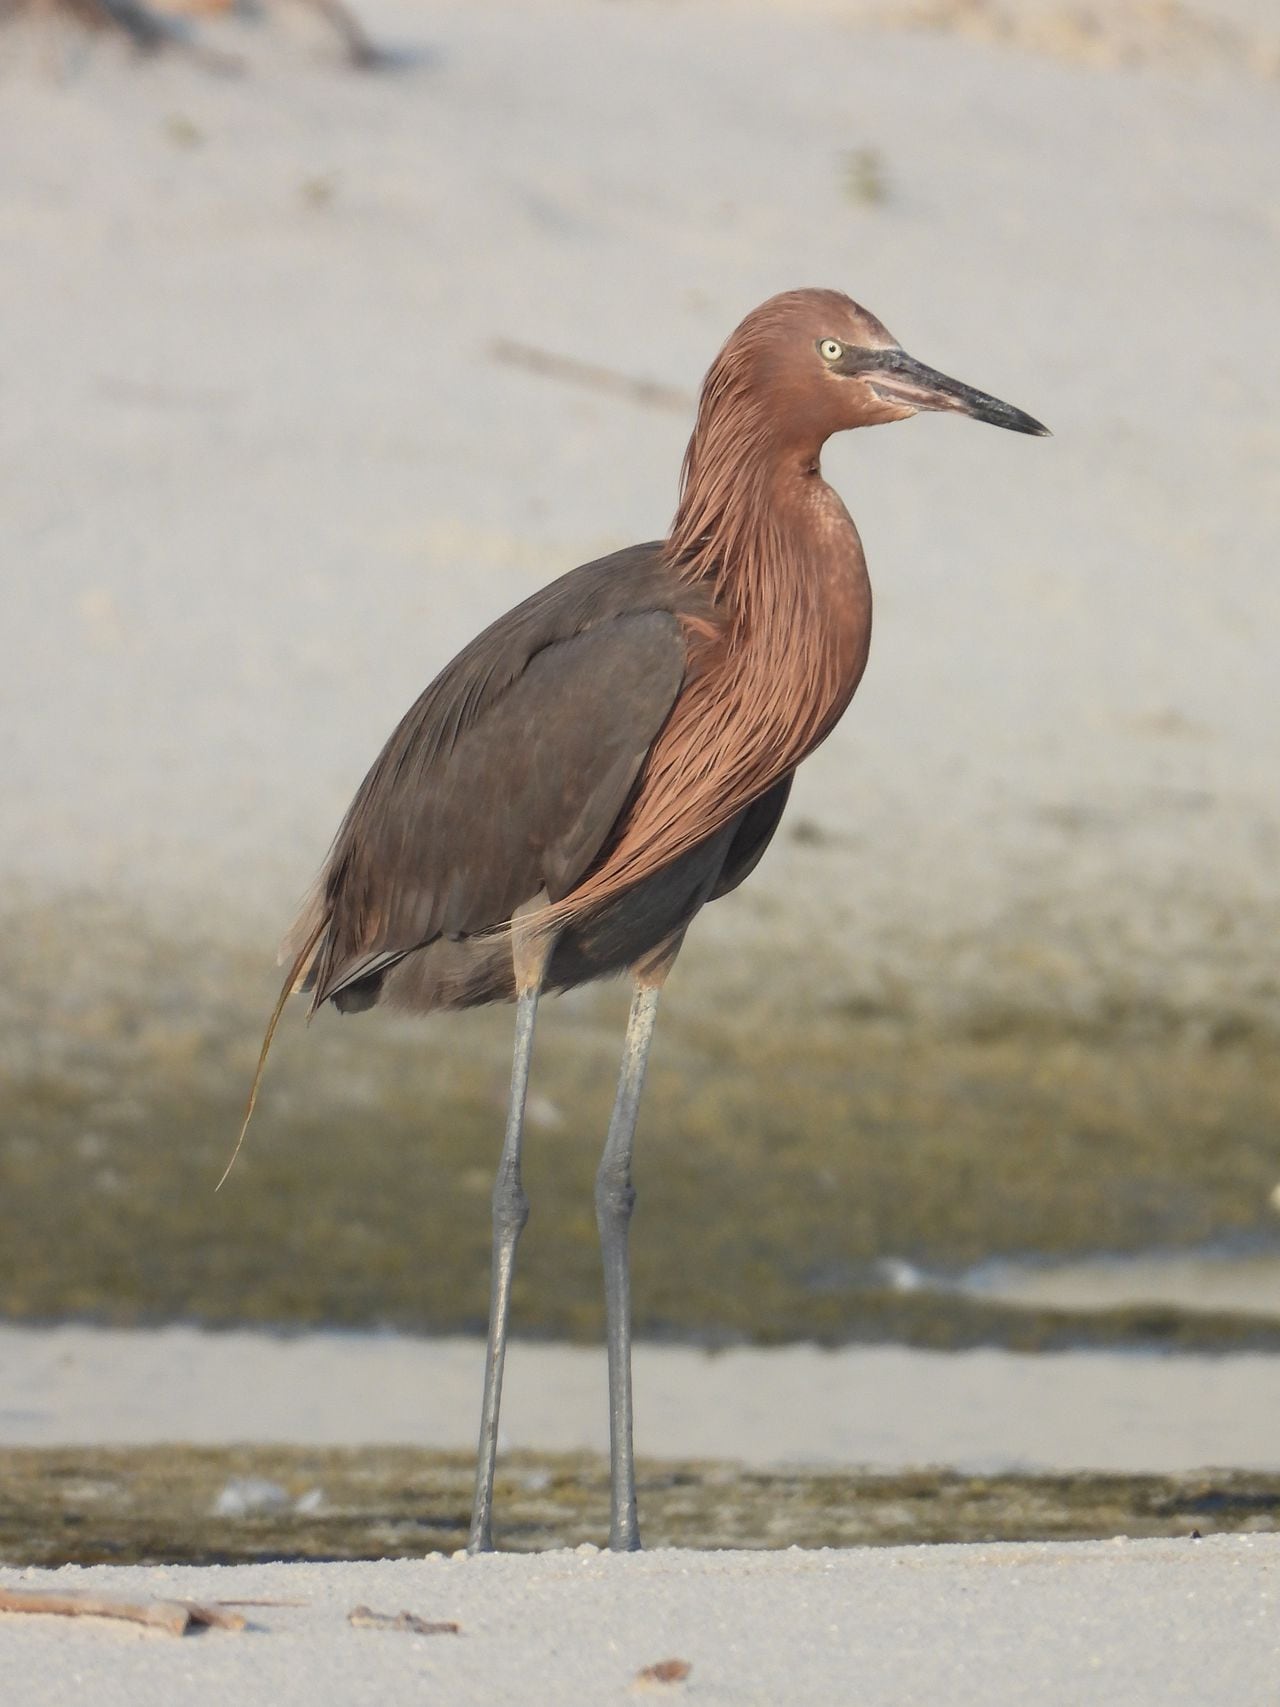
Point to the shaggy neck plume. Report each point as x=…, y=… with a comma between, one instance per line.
x=746, y=516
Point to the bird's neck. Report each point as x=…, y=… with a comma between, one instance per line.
x=769, y=669
x=781, y=558
x=774, y=545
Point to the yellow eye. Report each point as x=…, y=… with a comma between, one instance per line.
x=830, y=351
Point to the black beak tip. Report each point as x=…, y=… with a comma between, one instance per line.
x=1015, y=421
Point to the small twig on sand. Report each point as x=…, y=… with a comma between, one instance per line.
x=175, y=1616
x=647, y=391
x=365, y=1618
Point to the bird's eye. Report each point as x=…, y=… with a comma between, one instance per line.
x=829, y=350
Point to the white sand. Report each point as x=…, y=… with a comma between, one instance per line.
x=1138, y=1624
x=885, y=1408
x=259, y=476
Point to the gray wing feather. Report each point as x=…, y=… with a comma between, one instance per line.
x=500, y=782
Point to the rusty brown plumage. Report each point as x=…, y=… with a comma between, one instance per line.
x=617, y=751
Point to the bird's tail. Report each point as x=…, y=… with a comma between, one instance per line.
x=296, y=972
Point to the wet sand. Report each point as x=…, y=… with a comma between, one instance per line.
x=202, y=1505
x=806, y=1170
x=878, y=1408
x=190, y=1446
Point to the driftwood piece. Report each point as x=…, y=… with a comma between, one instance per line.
x=596, y=378
x=365, y=1618
x=174, y=1616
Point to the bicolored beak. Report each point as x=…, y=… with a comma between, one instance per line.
x=899, y=378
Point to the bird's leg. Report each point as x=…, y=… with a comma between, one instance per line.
x=510, y=1212
x=615, y=1199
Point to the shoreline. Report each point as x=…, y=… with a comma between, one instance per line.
x=884, y=1409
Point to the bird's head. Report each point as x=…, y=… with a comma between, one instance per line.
x=818, y=364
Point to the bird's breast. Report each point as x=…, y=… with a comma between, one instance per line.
x=843, y=615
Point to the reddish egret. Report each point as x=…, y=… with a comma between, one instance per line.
x=617, y=751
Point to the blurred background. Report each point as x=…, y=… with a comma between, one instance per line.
x=309, y=368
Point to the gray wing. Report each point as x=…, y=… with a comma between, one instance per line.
x=501, y=781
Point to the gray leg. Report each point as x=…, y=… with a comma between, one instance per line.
x=510, y=1212
x=615, y=1199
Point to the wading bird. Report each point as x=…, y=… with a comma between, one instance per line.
x=614, y=753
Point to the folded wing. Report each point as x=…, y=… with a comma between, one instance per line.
x=504, y=780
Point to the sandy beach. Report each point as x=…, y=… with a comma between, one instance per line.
x=1148, y=1624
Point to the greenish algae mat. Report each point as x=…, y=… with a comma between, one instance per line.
x=168, y=1504
x=791, y=1141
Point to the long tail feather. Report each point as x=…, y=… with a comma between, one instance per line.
x=286, y=990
